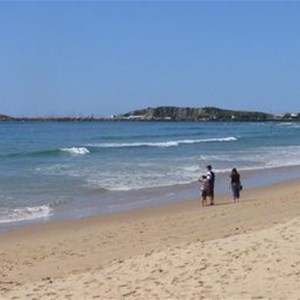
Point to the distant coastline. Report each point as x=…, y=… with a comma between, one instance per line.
x=169, y=113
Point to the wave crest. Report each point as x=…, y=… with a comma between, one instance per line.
x=164, y=144
x=76, y=150
x=24, y=214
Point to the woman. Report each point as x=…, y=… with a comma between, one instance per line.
x=235, y=184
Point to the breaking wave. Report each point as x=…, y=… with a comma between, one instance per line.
x=163, y=144
x=52, y=152
x=76, y=150
x=24, y=214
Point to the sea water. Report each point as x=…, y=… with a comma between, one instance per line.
x=57, y=170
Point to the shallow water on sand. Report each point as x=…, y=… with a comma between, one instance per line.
x=61, y=170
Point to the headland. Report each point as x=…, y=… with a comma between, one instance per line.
x=170, y=113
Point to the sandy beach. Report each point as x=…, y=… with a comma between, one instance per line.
x=247, y=250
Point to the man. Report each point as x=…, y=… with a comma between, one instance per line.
x=211, y=181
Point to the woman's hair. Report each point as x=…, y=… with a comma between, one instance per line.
x=234, y=170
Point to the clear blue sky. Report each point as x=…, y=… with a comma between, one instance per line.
x=102, y=58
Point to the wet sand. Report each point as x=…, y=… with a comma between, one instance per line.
x=247, y=250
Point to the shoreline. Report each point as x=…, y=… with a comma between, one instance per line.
x=147, y=198
x=139, y=213
x=155, y=208
x=65, y=251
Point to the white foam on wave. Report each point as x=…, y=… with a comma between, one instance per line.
x=164, y=144
x=76, y=150
x=285, y=124
x=168, y=173
x=140, y=177
x=137, y=183
x=24, y=214
x=289, y=124
x=257, y=159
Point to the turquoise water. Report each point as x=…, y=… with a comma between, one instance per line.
x=60, y=170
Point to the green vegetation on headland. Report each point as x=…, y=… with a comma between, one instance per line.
x=172, y=113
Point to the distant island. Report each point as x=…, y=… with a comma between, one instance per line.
x=172, y=113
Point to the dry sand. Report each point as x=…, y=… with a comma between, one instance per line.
x=248, y=250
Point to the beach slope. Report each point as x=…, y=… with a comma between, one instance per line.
x=248, y=250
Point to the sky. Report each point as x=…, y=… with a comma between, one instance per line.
x=71, y=58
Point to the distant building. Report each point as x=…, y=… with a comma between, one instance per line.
x=136, y=117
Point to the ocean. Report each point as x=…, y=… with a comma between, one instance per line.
x=62, y=170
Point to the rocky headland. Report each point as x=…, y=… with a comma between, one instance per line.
x=171, y=113
x=174, y=113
